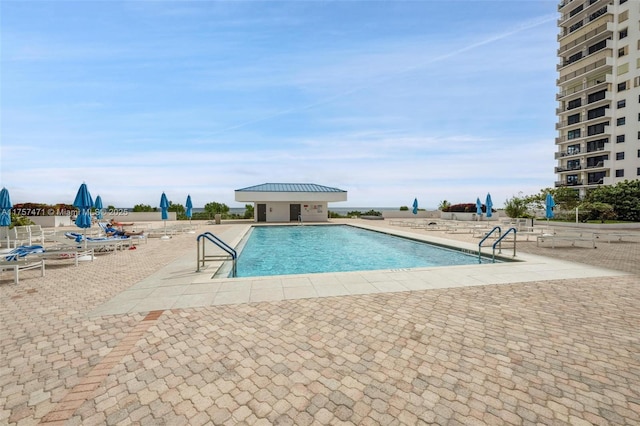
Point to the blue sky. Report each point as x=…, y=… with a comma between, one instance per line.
x=388, y=100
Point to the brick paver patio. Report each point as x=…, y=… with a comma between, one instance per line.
x=548, y=352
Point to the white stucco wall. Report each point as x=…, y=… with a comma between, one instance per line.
x=315, y=211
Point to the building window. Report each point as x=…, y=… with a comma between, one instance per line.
x=596, y=178
x=596, y=161
x=622, y=51
x=578, y=102
x=596, y=96
x=623, y=16
x=576, y=10
x=573, y=119
x=622, y=86
x=597, y=145
x=573, y=149
x=573, y=164
x=623, y=69
x=592, y=49
x=620, y=121
x=623, y=33
x=620, y=173
x=596, y=129
x=639, y=153
x=619, y=155
x=623, y=1
x=638, y=171
x=575, y=26
x=619, y=138
x=573, y=134
x=622, y=103
x=595, y=113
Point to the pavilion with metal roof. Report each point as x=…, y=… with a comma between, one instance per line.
x=287, y=202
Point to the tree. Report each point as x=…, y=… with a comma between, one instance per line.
x=404, y=208
x=248, y=211
x=444, y=205
x=565, y=198
x=516, y=206
x=178, y=208
x=596, y=211
x=624, y=197
x=142, y=208
x=216, y=208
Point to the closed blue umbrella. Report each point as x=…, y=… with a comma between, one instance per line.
x=83, y=203
x=189, y=205
x=549, y=205
x=98, y=207
x=478, y=208
x=5, y=211
x=415, y=206
x=489, y=205
x=164, y=206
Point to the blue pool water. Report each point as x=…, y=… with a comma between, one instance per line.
x=284, y=250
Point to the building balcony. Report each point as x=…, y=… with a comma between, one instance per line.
x=596, y=182
x=595, y=84
x=598, y=149
x=602, y=64
x=575, y=44
x=607, y=49
x=565, y=123
x=562, y=183
x=598, y=165
x=563, y=154
x=561, y=169
x=575, y=23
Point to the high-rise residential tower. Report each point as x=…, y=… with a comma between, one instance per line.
x=598, y=124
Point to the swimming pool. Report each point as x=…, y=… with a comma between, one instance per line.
x=286, y=250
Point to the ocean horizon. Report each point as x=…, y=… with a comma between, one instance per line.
x=339, y=210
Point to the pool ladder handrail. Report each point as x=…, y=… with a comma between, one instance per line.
x=221, y=244
x=497, y=242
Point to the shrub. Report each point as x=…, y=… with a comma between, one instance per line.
x=462, y=208
x=596, y=211
x=516, y=207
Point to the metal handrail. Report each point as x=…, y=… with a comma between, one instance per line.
x=218, y=242
x=499, y=241
x=483, y=240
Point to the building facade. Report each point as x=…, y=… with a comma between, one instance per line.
x=290, y=202
x=598, y=95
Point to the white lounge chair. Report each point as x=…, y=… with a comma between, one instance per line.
x=21, y=265
x=571, y=237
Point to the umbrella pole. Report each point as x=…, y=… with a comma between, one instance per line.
x=85, y=256
x=165, y=236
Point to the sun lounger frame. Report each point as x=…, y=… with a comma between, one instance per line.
x=570, y=237
x=21, y=265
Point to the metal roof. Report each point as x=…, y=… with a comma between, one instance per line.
x=289, y=187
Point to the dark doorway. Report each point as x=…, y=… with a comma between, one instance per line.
x=294, y=212
x=262, y=212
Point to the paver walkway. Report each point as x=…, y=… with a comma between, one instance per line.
x=541, y=352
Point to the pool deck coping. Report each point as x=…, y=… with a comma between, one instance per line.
x=178, y=285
